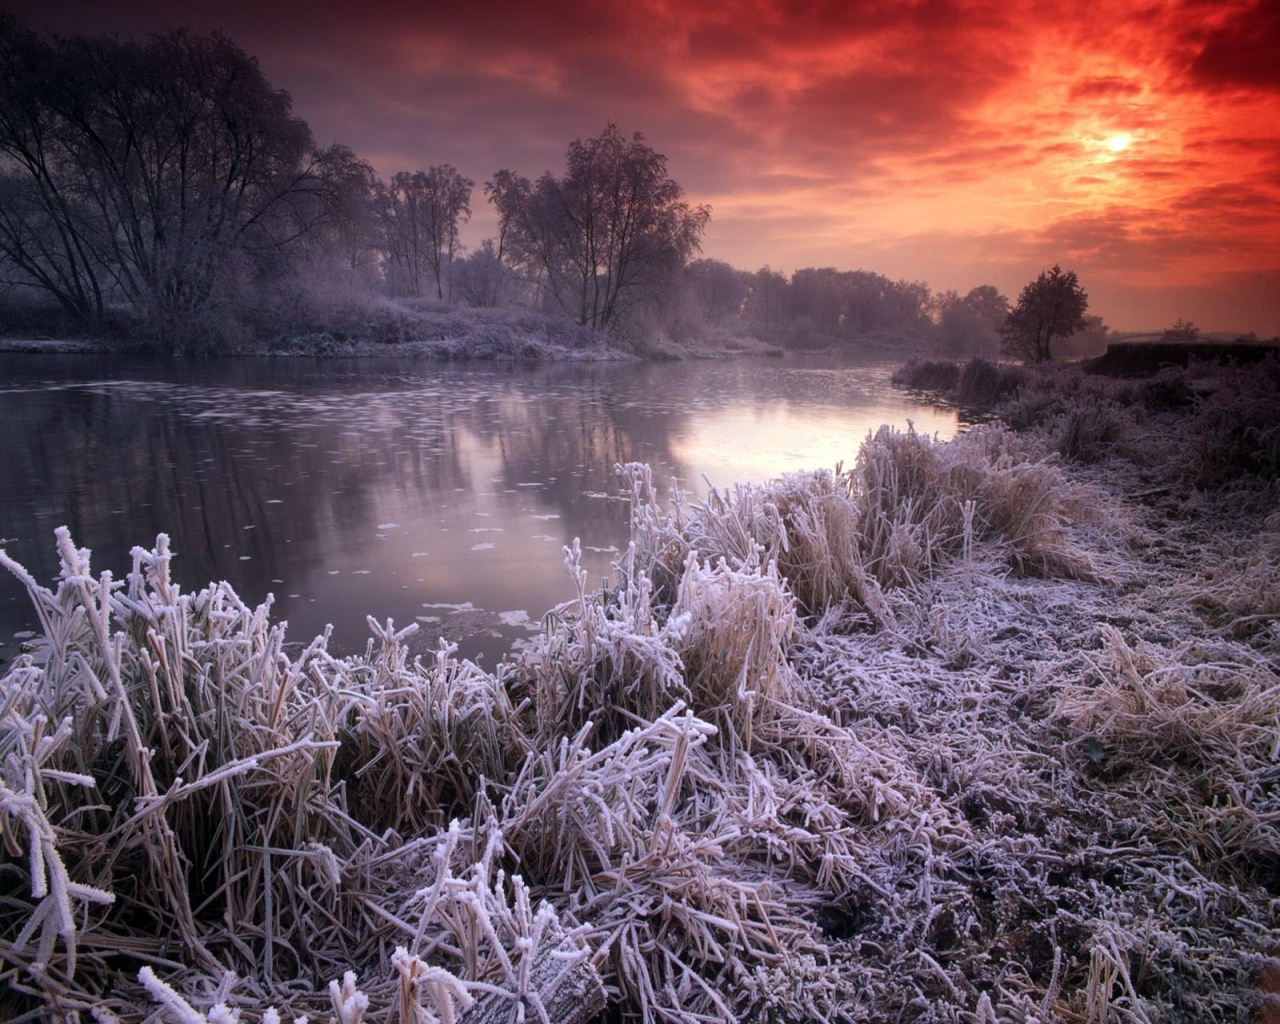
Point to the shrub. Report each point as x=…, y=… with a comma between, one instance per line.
x=1091, y=434
x=928, y=375
x=983, y=384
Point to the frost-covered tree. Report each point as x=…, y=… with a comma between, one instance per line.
x=1052, y=306
x=158, y=174
x=480, y=279
x=612, y=233
x=422, y=213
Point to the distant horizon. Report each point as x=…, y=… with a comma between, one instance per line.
x=957, y=143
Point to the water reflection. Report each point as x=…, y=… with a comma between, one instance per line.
x=436, y=494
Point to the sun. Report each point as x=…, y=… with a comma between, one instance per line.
x=1119, y=142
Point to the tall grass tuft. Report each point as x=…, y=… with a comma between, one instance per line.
x=928, y=375
x=984, y=385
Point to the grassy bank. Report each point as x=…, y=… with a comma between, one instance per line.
x=411, y=328
x=974, y=732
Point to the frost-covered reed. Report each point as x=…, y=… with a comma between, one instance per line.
x=926, y=739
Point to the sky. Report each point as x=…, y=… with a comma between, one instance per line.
x=958, y=142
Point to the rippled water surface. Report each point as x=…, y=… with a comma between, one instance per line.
x=441, y=495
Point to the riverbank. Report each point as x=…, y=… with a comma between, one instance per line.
x=407, y=329
x=977, y=731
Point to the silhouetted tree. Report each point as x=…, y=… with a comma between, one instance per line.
x=720, y=290
x=1182, y=330
x=151, y=173
x=970, y=323
x=1052, y=306
x=766, y=298
x=422, y=212
x=987, y=304
x=613, y=232
x=866, y=296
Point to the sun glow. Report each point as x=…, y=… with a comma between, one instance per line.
x=1116, y=143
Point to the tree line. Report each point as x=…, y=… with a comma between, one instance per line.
x=169, y=179
x=168, y=183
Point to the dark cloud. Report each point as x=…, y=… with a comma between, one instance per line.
x=1243, y=52
x=1105, y=87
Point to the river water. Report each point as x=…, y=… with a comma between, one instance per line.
x=442, y=495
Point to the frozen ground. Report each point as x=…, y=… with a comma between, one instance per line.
x=975, y=732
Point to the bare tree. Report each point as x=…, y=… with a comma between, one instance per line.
x=148, y=173
x=610, y=234
x=423, y=212
x=1052, y=306
x=346, y=224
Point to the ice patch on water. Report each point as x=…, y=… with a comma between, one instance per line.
x=483, y=547
x=518, y=617
x=361, y=572
x=454, y=609
x=547, y=515
x=388, y=526
x=419, y=554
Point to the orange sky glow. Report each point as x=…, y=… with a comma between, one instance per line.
x=959, y=142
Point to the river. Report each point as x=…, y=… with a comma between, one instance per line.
x=420, y=492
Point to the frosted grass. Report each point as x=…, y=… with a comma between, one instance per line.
x=934, y=738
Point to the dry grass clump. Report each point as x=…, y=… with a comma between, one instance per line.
x=1236, y=588
x=807, y=524
x=983, y=384
x=1235, y=430
x=1167, y=390
x=1087, y=418
x=909, y=508
x=1093, y=434
x=924, y=503
x=605, y=662
x=1187, y=728
x=420, y=743
x=928, y=374
x=193, y=776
